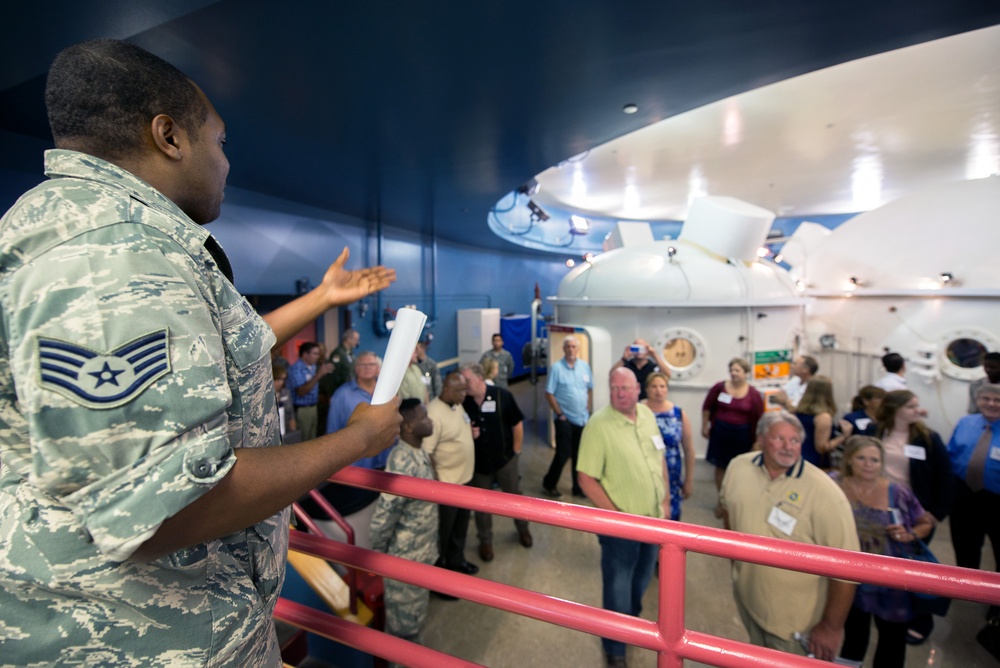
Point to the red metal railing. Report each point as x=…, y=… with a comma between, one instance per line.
x=667, y=636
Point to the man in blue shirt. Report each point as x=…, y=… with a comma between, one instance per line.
x=570, y=393
x=355, y=504
x=303, y=381
x=974, y=449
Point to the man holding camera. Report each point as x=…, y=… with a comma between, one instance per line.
x=636, y=357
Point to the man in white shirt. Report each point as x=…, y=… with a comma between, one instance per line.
x=895, y=367
x=803, y=368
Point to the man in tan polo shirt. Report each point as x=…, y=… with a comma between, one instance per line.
x=453, y=455
x=776, y=493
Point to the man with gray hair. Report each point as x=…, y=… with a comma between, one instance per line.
x=355, y=504
x=776, y=493
x=974, y=450
x=569, y=392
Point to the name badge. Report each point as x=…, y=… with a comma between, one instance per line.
x=489, y=406
x=660, y=445
x=426, y=379
x=725, y=398
x=995, y=454
x=863, y=423
x=782, y=521
x=586, y=378
x=915, y=452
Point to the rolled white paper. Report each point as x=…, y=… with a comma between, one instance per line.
x=402, y=341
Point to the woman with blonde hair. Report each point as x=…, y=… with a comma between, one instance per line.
x=815, y=411
x=676, y=431
x=490, y=369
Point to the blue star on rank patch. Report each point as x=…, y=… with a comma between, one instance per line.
x=103, y=380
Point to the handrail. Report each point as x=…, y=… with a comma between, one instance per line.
x=338, y=519
x=667, y=636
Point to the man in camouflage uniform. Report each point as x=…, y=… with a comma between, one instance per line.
x=504, y=360
x=429, y=367
x=405, y=527
x=342, y=359
x=142, y=520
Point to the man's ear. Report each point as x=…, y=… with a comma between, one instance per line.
x=168, y=137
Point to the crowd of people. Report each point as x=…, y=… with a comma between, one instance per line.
x=876, y=479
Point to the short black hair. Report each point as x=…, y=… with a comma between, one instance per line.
x=992, y=357
x=101, y=95
x=307, y=347
x=408, y=405
x=893, y=362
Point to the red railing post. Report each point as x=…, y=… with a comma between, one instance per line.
x=672, y=594
x=667, y=636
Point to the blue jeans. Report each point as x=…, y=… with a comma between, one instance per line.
x=626, y=568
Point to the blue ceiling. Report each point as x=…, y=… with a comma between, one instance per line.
x=422, y=116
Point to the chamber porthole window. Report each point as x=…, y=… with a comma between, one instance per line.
x=683, y=350
x=680, y=353
x=966, y=353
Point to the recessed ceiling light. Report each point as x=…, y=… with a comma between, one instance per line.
x=630, y=108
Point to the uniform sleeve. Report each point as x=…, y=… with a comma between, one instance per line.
x=389, y=509
x=119, y=366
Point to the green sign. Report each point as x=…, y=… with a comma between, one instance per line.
x=772, y=356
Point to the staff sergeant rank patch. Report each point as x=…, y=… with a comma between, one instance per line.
x=103, y=380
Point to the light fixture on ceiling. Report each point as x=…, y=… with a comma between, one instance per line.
x=630, y=108
x=578, y=225
x=946, y=277
x=529, y=187
x=855, y=281
x=537, y=213
x=571, y=263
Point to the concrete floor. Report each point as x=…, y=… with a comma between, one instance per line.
x=566, y=564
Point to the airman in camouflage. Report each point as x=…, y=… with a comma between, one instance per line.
x=405, y=527
x=143, y=520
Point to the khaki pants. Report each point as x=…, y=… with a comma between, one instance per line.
x=761, y=638
x=307, y=419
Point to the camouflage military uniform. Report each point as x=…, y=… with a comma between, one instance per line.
x=130, y=369
x=407, y=528
x=343, y=370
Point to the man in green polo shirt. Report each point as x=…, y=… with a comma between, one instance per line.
x=622, y=467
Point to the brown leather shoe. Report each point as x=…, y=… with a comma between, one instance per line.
x=525, y=537
x=486, y=551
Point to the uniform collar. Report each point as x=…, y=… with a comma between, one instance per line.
x=62, y=163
